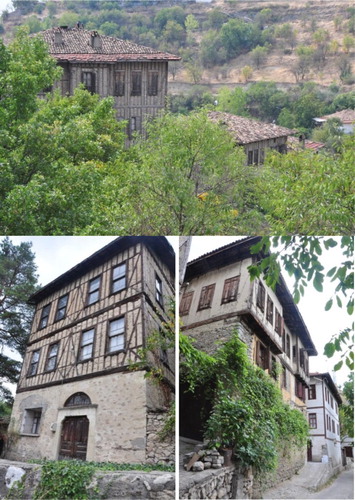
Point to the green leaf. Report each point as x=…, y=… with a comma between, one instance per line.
x=330, y=243
x=339, y=302
x=329, y=349
x=318, y=282
x=331, y=271
x=296, y=296
x=338, y=366
x=329, y=304
x=350, y=307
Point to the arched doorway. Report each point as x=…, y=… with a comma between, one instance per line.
x=75, y=430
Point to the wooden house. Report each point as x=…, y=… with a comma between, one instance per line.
x=218, y=298
x=346, y=118
x=323, y=417
x=78, y=396
x=256, y=137
x=134, y=75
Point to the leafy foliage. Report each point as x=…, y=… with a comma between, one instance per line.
x=248, y=412
x=18, y=280
x=301, y=258
x=346, y=410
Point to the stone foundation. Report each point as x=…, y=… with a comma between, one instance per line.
x=158, y=450
x=129, y=485
x=212, y=483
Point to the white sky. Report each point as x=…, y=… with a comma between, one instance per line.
x=6, y=4
x=321, y=324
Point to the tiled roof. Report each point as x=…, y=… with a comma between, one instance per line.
x=295, y=144
x=345, y=116
x=246, y=130
x=75, y=44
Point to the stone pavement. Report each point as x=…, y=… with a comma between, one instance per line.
x=303, y=484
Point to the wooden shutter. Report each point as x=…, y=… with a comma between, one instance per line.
x=230, y=289
x=260, y=301
x=185, y=303
x=206, y=296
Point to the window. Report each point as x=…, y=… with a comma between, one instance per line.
x=158, y=290
x=338, y=431
x=185, y=303
x=332, y=401
x=33, y=363
x=294, y=353
x=300, y=390
x=52, y=357
x=61, y=307
x=284, y=377
x=312, y=394
x=86, y=345
x=262, y=155
x=333, y=426
x=119, y=277
x=31, y=421
x=136, y=83
x=260, y=299
x=273, y=367
x=120, y=78
x=288, y=346
x=88, y=78
x=230, y=289
x=262, y=356
x=206, y=297
x=256, y=156
x=94, y=290
x=270, y=311
x=301, y=353
x=250, y=157
x=78, y=399
x=43, y=322
x=312, y=420
x=153, y=78
x=278, y=322
x=116, y=335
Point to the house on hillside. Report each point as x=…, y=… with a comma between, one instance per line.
x=256, y=137
x=323, y=400
x=218, y=298
x=134, y=75
x=77, y=396
x=345, y=116
x=302, y=144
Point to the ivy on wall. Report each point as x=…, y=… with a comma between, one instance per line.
x=248, y=412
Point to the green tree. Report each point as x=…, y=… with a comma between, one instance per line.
x=301, y=258
x=331, y=134
x=348, y=43
x=258, y=55
x=191, y=23
x=232, y=101
x=188, y=178
x=287, y=33
x=238, y=36
x=164, y=15
x=346, y=411
x=18, y=280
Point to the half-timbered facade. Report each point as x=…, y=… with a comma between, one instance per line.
x=134, y=75
x=77, y=396
x=218, y=298
x=257, y=138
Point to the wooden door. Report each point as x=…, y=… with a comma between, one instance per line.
x=74, y=438
x=309, y=452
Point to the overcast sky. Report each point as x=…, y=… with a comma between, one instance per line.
x=5, y=4
x=320, y=323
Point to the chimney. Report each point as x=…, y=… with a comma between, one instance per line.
x=58, y=37
x=96, y=42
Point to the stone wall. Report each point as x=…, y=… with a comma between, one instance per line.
x=158, y=450
x=291, y=459
x=211, y=483
x=129, y=485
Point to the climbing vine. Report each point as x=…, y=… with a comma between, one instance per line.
x=248, y=412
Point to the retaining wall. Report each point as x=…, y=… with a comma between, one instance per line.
x=129, y=485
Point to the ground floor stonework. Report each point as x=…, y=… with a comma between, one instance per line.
x=105, y=419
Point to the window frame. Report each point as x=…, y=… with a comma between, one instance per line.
x=153, y=83
x=262, y=356
x=270, y=310
x=123, y=334
x=230, y=289
x=312, y=420
x=34, y=363
x=260, y=296
x=288, y=345
x=312, y=391
x=119, y=278
x=44, y=316
x=206, y=297
x=120, y=83
x=159, y=290
x=49, y=357
x=92, y=86
x=80, y=359
x=35, y=416
x=136, y=83
x=278, y=322
x=66, y=295
x=185, y=303
x=95, y=290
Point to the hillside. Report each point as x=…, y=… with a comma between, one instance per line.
x=286, y=30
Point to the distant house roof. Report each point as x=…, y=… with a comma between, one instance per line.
x=346, y=116
x=296, y=145
x=246, y=130
x=331, y=384
x=79, y=45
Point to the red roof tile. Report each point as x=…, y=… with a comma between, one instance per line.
x=246, y=130
x=75, y=44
